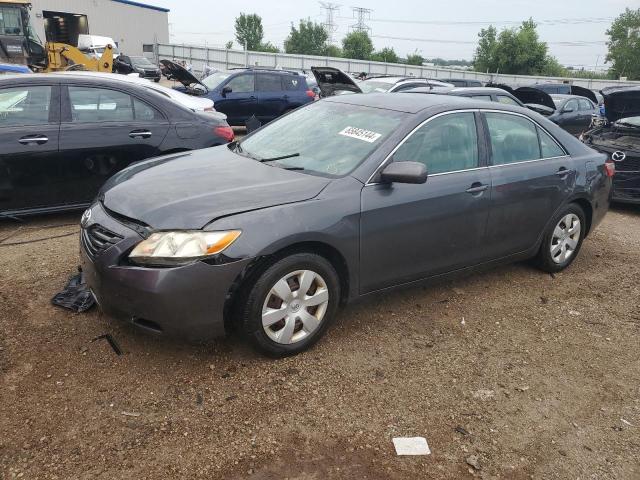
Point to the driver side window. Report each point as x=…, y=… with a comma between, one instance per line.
x=241, y=83
x=445, y=144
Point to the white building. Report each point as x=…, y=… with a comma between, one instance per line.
x=134, y=26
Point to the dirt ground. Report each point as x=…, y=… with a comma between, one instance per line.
x=537, y=376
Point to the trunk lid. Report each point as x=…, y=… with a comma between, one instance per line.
x=331, y=80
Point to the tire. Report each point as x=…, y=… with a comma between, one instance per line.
x=293, y=322
x=564, y=238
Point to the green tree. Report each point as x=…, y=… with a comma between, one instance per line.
x=268, y=47
x=228, y=45
x=387, y=55
x=308, y=39
x=514, y=50
x=332, y=51
x=415, y=59
x=624, y=45
x=249, y=31
x=484, y=59
x=357, y=45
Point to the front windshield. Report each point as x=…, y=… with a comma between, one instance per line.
x=212, y=81
x=369, y=86
x=558, y=101
x=326, y=137
x=141, y=62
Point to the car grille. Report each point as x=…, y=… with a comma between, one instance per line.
x=629, y=164
x=96, y=239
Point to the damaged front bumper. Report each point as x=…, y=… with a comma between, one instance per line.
x=186, y=301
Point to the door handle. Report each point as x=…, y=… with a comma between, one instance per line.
x=477, y=188
x=39, y=139
x=563, y=172
x=140, y=134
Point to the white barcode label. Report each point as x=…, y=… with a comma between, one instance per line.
x=360, y=134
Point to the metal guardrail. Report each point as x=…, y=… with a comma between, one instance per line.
x=221, y=58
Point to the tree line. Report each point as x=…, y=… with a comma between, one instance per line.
x=516, y=50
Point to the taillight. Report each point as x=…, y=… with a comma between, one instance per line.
x=311, y=94
x=610, y=168
x=225, y=132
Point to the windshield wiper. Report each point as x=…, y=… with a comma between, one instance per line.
x=283, y=157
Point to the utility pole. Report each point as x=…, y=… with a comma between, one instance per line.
x=361, y=14
x=330, y=23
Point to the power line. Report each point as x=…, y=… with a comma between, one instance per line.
x=329, y=24
x=360, y=13
x=574, y=43
x=557, y=21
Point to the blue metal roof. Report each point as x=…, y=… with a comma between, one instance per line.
x=142, y=5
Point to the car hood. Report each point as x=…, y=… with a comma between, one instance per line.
x=530, y=95
x=331, y=80
x=584, y=92
x=621, y=102
x=180, y=73
x=190, y=190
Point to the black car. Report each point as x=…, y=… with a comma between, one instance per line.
x=573, y=113
x=619, y=138
x=63, y=135
x=342, y=199
x=126, y=64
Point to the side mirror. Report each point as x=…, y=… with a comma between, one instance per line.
x=567, y=110
x=404, y=172
x=226, y=90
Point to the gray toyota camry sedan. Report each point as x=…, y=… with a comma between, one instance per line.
x=347, y=197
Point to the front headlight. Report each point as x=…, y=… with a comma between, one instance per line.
x=180, y=248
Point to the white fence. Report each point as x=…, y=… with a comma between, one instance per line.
x=199, y=56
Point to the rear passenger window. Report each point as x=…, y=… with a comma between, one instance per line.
x=90, y=104
x=549, y=146
x=507, y=100
x=290, y=82
x=24, y=105
x=482, y=97
x=142, y=111
x=445, y=144
x=267, y=82
x=585, y=104
x=513, y=138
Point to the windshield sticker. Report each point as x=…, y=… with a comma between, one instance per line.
x=360, y=134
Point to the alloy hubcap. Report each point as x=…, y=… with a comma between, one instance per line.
x=565, y=238
x=295, y=306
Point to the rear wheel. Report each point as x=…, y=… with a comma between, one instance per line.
x=562, y=240
x=291, y=304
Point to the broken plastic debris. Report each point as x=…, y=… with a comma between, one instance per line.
x=130, y=414
x=626, y=422
x=411, y=446
x=75, y=296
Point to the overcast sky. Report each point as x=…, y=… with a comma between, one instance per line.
x=454, y=24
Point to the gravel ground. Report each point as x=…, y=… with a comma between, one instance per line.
x=536, y=376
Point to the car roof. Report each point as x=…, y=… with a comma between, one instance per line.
x=413, y=103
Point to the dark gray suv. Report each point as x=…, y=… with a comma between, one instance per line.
x=344, y=198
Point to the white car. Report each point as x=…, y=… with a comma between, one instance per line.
x=193, y=103
x=398, y=84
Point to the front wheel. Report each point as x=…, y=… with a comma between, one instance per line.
x=562, y=240
x=291, y=304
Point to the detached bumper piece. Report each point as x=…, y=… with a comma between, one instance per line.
x=75, y=296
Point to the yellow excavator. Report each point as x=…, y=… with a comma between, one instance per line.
x=20, y=45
